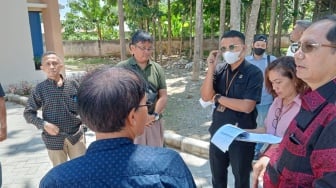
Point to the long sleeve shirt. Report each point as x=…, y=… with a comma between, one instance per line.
x=117, y=162
x=306, y=155
x=59, y=106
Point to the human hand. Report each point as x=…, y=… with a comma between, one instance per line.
x=212, y=58
x=259, y=169
x=51, y=129
x=150, y=120
x=3, y=133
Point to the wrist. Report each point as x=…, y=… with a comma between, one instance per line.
x=156, y=116
x=216, y=98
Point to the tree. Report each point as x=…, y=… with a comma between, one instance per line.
x=235, y=14
x=222, y=18
x=252, y=23
x=92, y=13
x=272, y=27
x=198, y=40
x=169, y=29
x=121, y=30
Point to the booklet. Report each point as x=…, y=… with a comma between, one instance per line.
x=225, y=135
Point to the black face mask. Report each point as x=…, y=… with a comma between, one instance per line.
x=259, y=51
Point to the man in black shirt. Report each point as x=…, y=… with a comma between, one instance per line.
x=235, y=87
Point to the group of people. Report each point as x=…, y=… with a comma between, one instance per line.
x=302, y=111
x=290, y=97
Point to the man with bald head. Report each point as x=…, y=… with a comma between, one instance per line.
x=307, y=153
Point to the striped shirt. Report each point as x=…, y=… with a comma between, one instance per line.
x=59, y=106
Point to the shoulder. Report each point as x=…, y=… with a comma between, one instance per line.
x=125, y=63
x=248, y=67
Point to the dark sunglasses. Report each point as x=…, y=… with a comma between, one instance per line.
x=232, y=47
x=307, y=47
x=148, y=104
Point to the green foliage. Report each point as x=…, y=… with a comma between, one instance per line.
x=98, y=19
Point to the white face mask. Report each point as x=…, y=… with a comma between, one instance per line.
x=231, y=57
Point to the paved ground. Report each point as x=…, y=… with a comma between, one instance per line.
x=24, y=157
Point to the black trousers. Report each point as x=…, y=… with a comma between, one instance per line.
x=240, y=156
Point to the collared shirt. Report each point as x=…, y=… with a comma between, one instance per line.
x=307, y=153
x=2, y=93
x=262, y=63
x=120, y=163
x=59, y=106
x=152, y=73
x=246, y=83
x=279, y=126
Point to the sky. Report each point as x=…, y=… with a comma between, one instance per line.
x=64, y=10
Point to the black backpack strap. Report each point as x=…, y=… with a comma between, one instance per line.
x=268, y=59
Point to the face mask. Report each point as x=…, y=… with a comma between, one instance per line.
x=231, y=57
x=259, y=51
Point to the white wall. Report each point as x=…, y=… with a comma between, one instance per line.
x=16, y=53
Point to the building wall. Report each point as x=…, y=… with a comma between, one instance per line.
x=16, y=53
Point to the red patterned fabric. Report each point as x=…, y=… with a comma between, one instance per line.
x=306, y=157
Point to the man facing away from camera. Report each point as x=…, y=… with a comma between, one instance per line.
x=113, y=104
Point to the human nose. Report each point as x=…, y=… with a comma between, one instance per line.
x=299, y=54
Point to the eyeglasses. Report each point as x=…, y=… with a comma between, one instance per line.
x=231, y=48
x=144, y=48
x=276, y=119
x=148, y=104
x=307, y=47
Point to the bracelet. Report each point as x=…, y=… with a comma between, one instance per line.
x=216, y=98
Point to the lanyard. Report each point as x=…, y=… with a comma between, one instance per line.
x=228, y=85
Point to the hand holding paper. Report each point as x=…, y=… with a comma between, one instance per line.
x=225, y=135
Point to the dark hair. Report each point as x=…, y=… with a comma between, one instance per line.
x=106, y=97
x=285, y=65
x=234, y=33
x=331, y=35
x=141, y=36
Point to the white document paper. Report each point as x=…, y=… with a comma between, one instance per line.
x=225, y=135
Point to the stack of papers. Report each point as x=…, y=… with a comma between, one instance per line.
x=227, y=133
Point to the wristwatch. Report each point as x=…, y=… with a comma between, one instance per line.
x=156, y=116
x=216, y=98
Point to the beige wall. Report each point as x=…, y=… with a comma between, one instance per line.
x=16, y=53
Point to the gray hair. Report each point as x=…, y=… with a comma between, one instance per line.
x=304, y=24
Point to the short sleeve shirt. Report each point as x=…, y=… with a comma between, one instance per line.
x=152, y=73
x=244, y=83
x=262, y=63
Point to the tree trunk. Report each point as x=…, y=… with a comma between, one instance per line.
x=121, y=30
x=272, y=27
x=278, y=46
x=222, y=20
x=235, y=15
x=191, y=24
x=198, y=40
x=212, y=22
x=252, y=24
x=169, y=50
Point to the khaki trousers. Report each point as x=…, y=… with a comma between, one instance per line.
x=152, y=136
x=60, y=156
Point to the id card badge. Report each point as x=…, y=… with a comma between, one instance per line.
x=220, y=108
